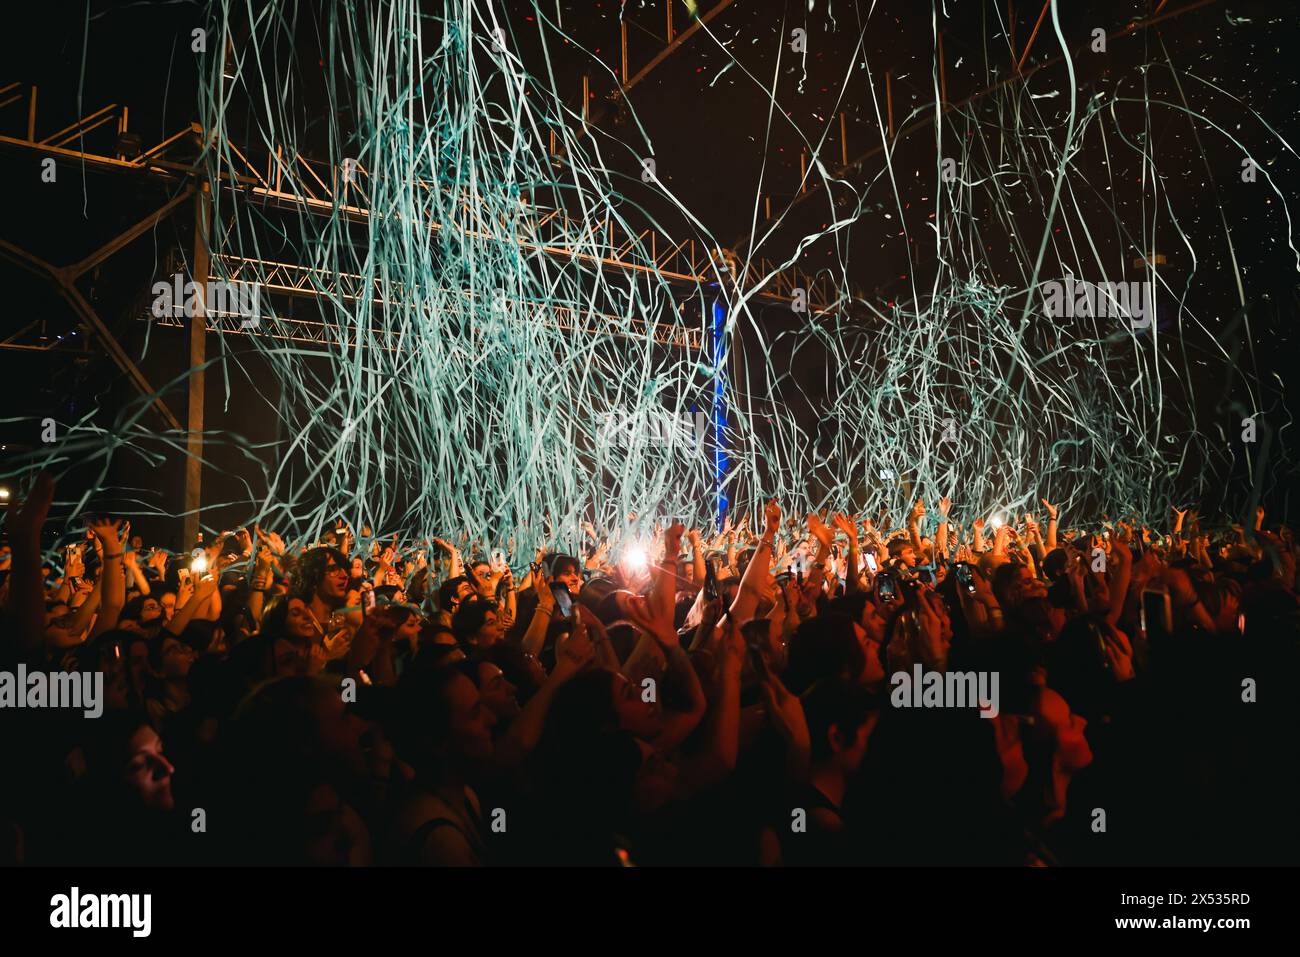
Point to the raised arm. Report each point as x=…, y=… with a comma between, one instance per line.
x=849, y=527
x=535, y=637
x=755, y=578
x=203, y=590
x=111, y=540
x=697, y=557
x=941, y=535
x=1051, y=524
x=914, y=526
x=26, y=599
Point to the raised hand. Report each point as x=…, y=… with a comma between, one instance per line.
x=945, y=506
x=108, y=533
x=1051, y=509
x=1119, y=653
x=575, y=654
x=272, y=540
x=819, y=530
x=771, y=519
x=24, y=524
x=545, y=597
x=644, y=615
x=785, y=711
x=184, y=590
x=845, y=524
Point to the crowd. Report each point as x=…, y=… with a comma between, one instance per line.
x=699, y=699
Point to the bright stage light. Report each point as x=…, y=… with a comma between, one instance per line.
x=199, y=565
x=636, y=558
x=995, y=521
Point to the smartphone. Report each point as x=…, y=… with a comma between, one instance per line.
x=886, y=587
x=925, y=576
x=871, y=562
x=1157, y=615
x=1099, y=637
x=367, y=601
x=965, y=576
x=710, y=582
x=563, y=600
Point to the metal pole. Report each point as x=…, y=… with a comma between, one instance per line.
x=889, y=102
x=198, y=355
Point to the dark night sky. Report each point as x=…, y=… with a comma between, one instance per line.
x=708, y=127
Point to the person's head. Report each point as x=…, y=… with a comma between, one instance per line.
x=293, y=751
x=481, y=573
x=496, y=690
x=902, y=552
x=1013, y=584
x=602, y=701
x=407, y=623
x=305, y=715
x=289, y=618
x=125, y=758
x=321, y=574
x=135, y=650
x=840, y=715
x=151, y=611
x=169, y=657
x=825, y=647
x=477, y=623
x=441, y=724
x=434, y=633
x=1054, y=564
x=107, y=653
x=132, y=616
x=452, y=592
x=566, y=571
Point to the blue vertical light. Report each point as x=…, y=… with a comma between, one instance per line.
x=719, y=409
